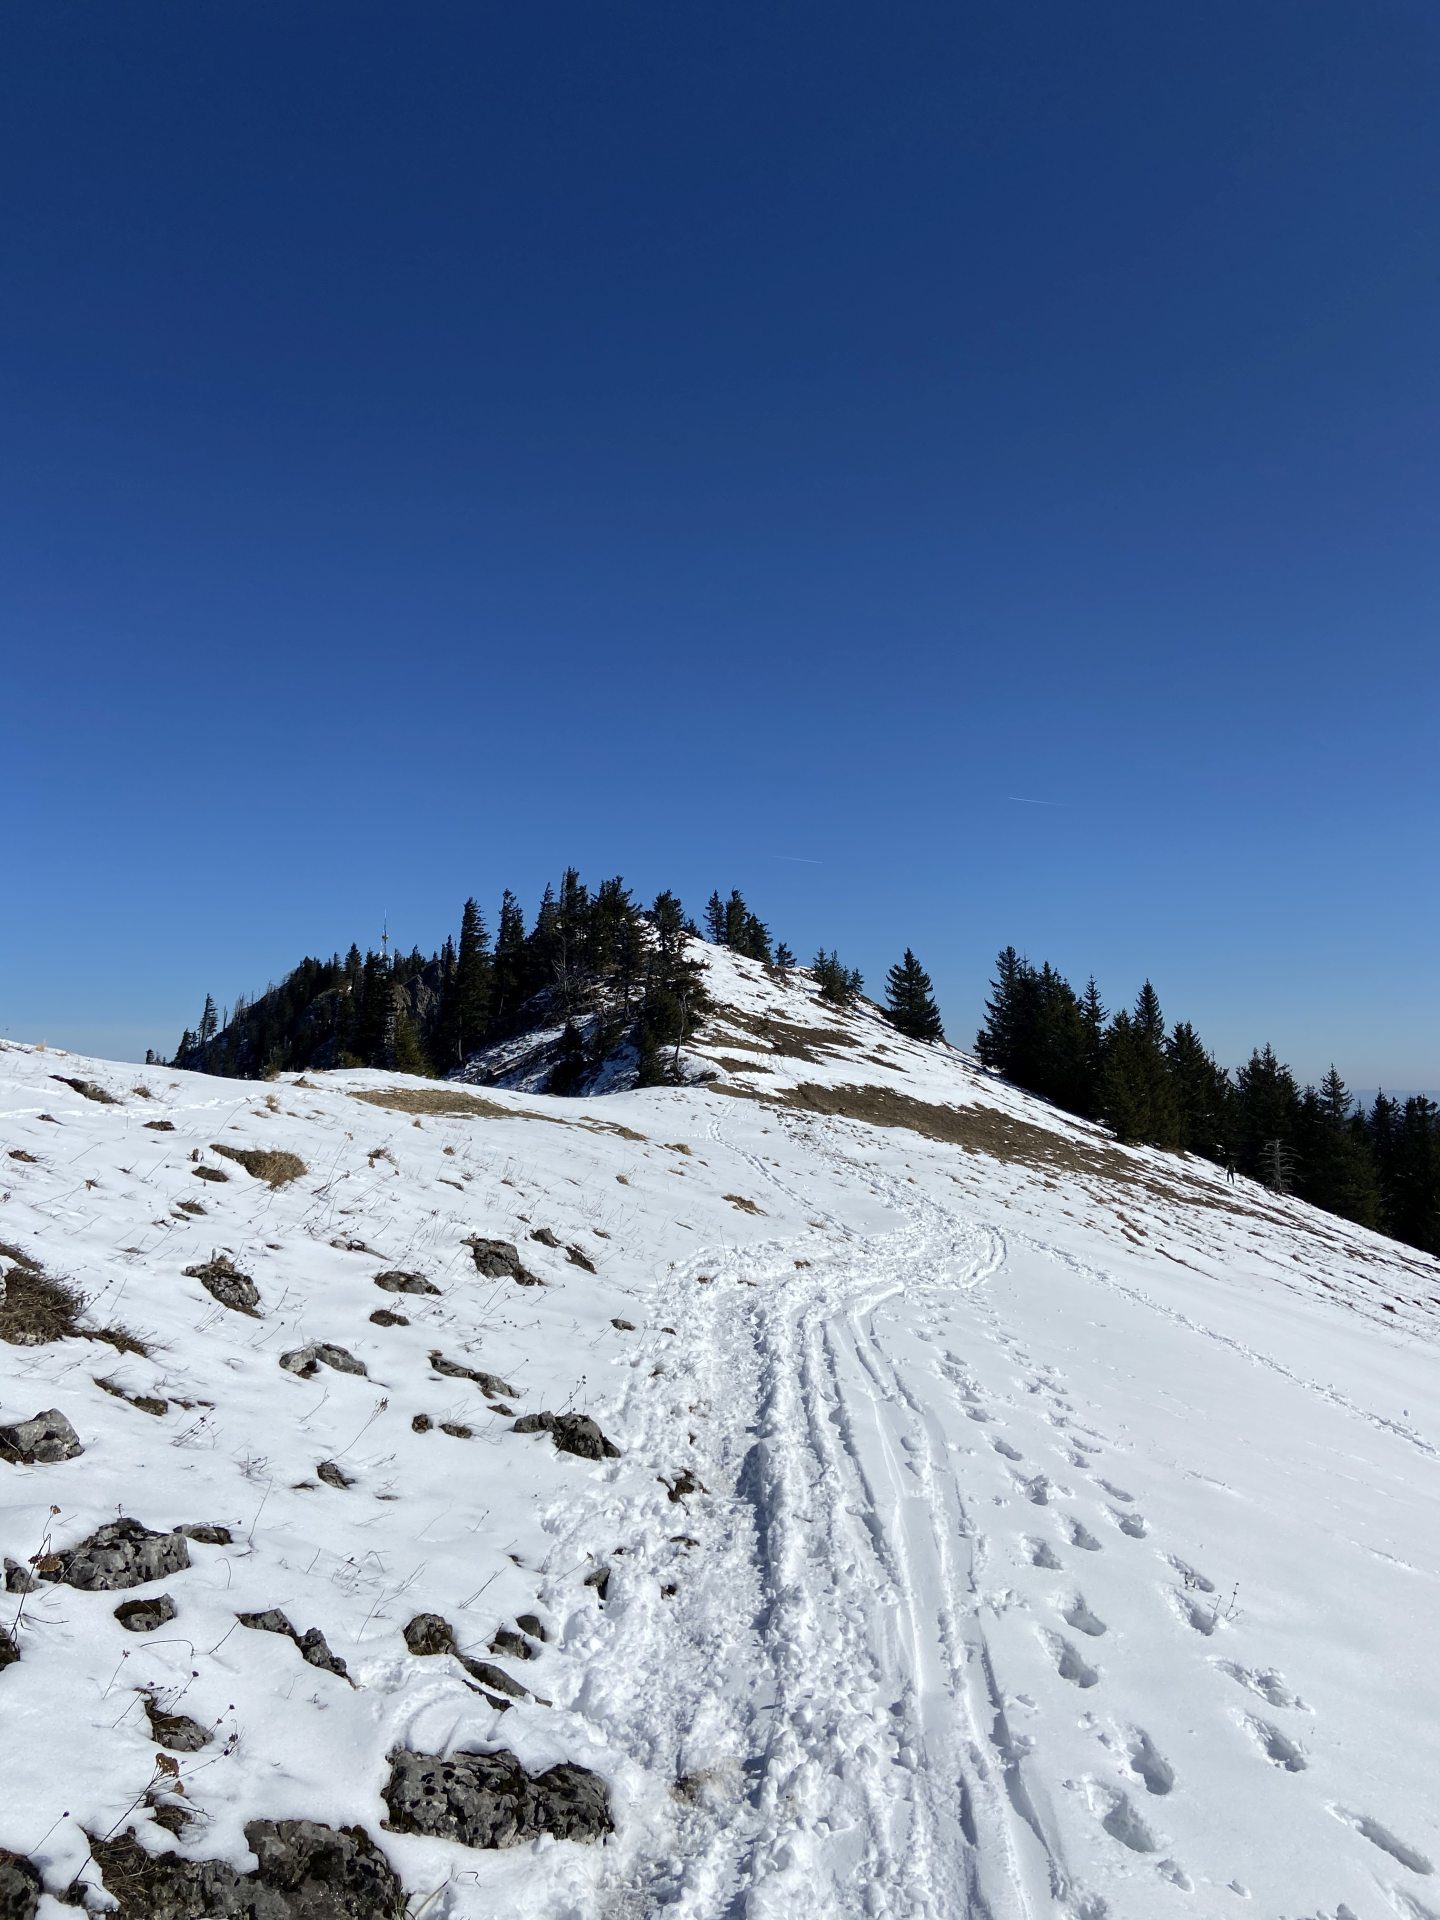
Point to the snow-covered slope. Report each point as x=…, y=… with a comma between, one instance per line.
x=1003, y=1523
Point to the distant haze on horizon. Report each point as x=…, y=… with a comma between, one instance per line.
x=962, y=476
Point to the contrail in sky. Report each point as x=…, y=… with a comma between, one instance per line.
x=1024, y=800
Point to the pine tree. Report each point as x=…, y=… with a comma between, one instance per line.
x=784, y=962
x=715, y=921
x=209, y=1022
x=510, y=943
x=910, y=1001
x=471, y=993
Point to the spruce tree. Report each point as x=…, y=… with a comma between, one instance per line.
x=910, y=1001
x=996, y=1041
x=471, y=993
x=715, y=921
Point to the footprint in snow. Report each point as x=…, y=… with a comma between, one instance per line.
x=1381, y=1837
x=1004, y=1447
x=1115, y=1493
x=1203, y=1619
x=1119, y=1818
x=1077, y=1614
x=1038, y=1490
x=1068, y=1661
x=1264, y=1681
x=1277, y=1747
x=1155, y=1771
x=1081, y=1536
x=1042, y=1554
x=1195, y=1581
x=1134, y=1525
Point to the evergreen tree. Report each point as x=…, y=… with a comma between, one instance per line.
x=784, y=962
x=470, y=996
x=209, y=1024
x=715, y=920
x=910, y=1000
x=996, y=1041
x=1201, y=1090
x=1266, y=1108
x=510, y=961
x=840, y=986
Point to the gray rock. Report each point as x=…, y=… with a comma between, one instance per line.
x=144, y=1616
x=20, y=1886
x=531, y=1623
x=122, y=1554
x=398, y=1282
x=46, y=1438
x=307, y=1361
x=312, y=1643
x=488, y=1799
x=19, y=1579
x=306, y=1872
x=514, y=1645
x=208, y=1532
x=545, y=1237
x=500, y=1260
x=226, y=1283
x=578, y=1257
x=490, y=1383
x=176, y=1732
x=333, y=1474
x=9, y=1652
x=431, y=1633
x=571, y=1432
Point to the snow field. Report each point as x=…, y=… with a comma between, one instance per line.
x=989, y=1538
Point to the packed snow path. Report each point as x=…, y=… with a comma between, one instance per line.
x=1003, y=1524
x=964, y=1607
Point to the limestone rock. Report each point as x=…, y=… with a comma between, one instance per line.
x=145, y=1616
x=122, y=1554
x=488, y=1799
x=571, y=1432
x=47, y=1437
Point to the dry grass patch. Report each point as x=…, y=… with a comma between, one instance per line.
x=474, y=1106
x=88, y=1088
x=784, y=1037
x=429, y=1100
x=275, y=1168
x=739, y=1200
x=36, y=1309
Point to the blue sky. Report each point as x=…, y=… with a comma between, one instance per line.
x=774, y=446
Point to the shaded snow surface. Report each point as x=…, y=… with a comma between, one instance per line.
x=995, y=1531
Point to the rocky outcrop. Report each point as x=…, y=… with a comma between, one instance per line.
x=225, y=1282
x=571, y=1432
x=39, y=1441
x=401, y=1282
x=430, y=1633
x=122, y=1554
x=306, y=1872
x=19, y=1886
x=307, y=1361
x=312, y=1644
x=500, y=1260
x=488, y=1799
x=490, y=1383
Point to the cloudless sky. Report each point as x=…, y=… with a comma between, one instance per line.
x=962, y=473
